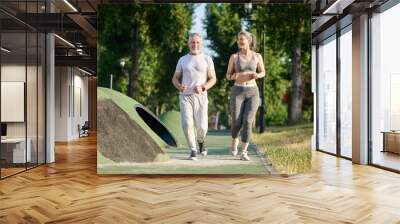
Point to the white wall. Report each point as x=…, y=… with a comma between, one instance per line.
x=34, y=124
x=62, y=81
x=12, y=100
x=16, y=73
x=80, y=102
x=13, y=72
x=71, y=93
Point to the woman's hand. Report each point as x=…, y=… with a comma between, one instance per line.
x=243, y=76
x=249, y=74
x=253, y=75
x=234, y=76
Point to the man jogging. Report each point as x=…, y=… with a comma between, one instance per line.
x=198, y=75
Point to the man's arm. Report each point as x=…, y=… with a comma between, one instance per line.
x=176, y=82
x=212, y=79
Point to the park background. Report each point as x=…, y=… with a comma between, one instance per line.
x=139, y=46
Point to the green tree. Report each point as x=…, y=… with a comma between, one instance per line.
x=172, y=43
x=288, y=28
x=222, y=23
x=132, y=32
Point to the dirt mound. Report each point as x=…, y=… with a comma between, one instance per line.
x=120, y=138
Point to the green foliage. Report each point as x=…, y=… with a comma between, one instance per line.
x=282, y=23
x=307, y=114
x=222, y=23
x=172, y=120
x=162, y=35
x=277, y=86
x=286, y=25
x=148, y=75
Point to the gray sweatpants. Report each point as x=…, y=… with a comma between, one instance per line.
x=244, y=105
x=194, y=114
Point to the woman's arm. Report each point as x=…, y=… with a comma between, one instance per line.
x=260, y=67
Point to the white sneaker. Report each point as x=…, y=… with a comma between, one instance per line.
x=193, y=155
x=203, y=149
x=234, y=150
x=244, y=157
x=234, y=153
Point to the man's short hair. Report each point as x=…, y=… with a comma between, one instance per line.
x=194, y=35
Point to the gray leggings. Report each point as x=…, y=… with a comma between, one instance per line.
x=244, y=105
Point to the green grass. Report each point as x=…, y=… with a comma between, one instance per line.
x=172, y=120
x=288, y=147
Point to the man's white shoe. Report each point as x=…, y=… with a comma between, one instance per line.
x=193, y=155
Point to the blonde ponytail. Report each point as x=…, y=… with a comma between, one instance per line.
x=252, y=44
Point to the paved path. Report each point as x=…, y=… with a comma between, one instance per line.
x=218, y=161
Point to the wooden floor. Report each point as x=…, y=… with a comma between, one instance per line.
x=10, y=171
x=70, y=191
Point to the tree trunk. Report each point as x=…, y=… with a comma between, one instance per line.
x=135, y=52
x=154, y=105
x=296, y=96
x=216, y=120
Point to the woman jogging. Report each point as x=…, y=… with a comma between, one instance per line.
x=244, y=68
